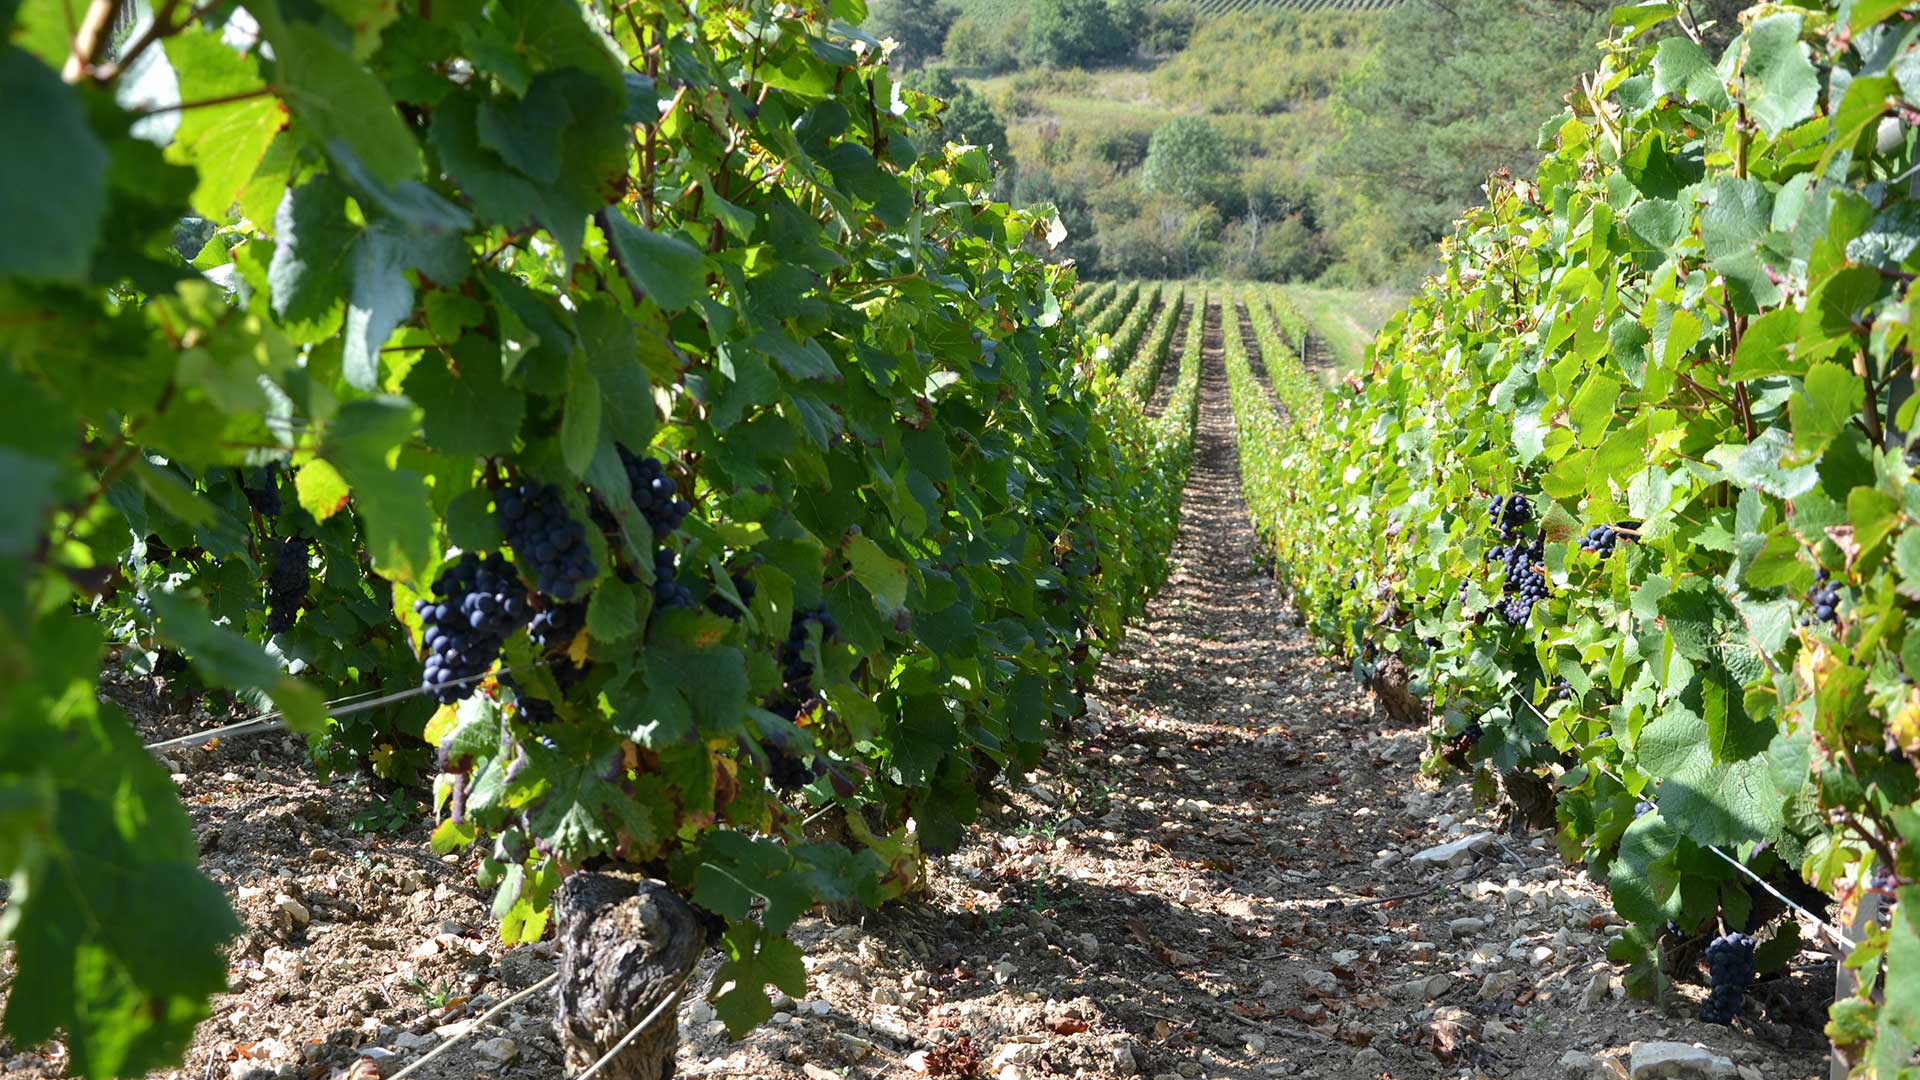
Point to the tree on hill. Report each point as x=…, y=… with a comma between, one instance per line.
x=1188, y=157
x=1455, y=92
x=920, y=26
x=1075, y=33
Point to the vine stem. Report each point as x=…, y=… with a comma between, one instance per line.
x=1870, y=414
x=204, y=103
x=90, y=40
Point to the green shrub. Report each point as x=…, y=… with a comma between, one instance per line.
x=978, y=41
x=920, y=26
x=1075, y=33
x=1188, y=157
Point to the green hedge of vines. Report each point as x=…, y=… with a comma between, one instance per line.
x=303, y=293
x=1691, y=325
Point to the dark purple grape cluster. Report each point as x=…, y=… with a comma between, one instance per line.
x=785, y=769
x=1643, y=808
x=1825, y=597
x=1601, y=539
x=794, y=665
x=654, y=492
x=1472, y=732
x=1525, y=584
x=1884, y=880
x=550, y=544
x=287, y=582
x=262, y=489
x=1509, y=514
x=1730, y=962
x=479, y=603
x=554, y=627
x=1562, y=690
x=668, y=590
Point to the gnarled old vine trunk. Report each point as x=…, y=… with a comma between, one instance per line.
x=628, y=943
x=1393, y=683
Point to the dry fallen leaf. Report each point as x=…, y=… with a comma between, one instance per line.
x=1066, y=1025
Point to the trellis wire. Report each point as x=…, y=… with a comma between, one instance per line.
x=473, y=1027
x=346, y=706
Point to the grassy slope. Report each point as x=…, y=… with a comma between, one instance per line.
x=1346, y=319
x=1272, y=97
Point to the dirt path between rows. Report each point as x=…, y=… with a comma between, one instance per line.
x=1176, y=350
x=1215, y=877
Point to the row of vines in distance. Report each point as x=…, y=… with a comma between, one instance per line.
x=1630, y=491
x=694, y=436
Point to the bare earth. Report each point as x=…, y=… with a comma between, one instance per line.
x=1213, y=880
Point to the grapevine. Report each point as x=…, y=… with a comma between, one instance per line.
x=1622, y=332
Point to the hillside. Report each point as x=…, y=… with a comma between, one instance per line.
x=1282, y=128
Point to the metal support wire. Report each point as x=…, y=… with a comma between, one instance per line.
x=475, y=1026
x=346, y=706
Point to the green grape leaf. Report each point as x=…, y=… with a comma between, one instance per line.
x=1644, y=877
x=756, y=957
x=1829, y=398
x=339, y=102
x=225, y=142
x=1733, y=228
x=381, y=299
x=465, y=407
x=1723, y=803
x=1681, y=66
x=53, y=199
x=884, y=576
x=1758, y=466
x=313, y=240
x=580, y=423
x=1782, y=87
x=670, y=271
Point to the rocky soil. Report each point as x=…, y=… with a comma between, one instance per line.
x=1234, y=870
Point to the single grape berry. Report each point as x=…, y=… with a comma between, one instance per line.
x=478, y=602
x=550, y=544
x=1730, y=963
x=287, y=583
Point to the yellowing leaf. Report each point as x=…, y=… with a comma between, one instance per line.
x=322, y=490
